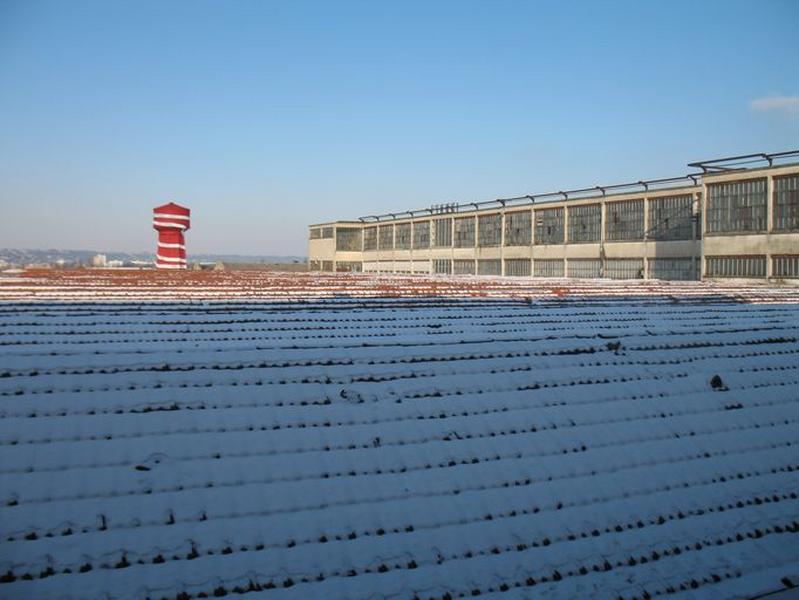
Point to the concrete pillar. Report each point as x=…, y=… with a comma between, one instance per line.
x=451, y=243
x=603, y=215
x=501, y=238
x=769, y=223
x=532, y=239
x=696, y=240
x=646, y=237
x=410, y=250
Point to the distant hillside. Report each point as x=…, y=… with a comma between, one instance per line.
x=18, y=257
x=244, y=258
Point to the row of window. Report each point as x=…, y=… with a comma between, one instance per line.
x=632, y=268
x=743, y=266
x=741, y=206
x=670, y=219
x=736, y=266
x=321, y=265
x=318, y=233
x=680, y=268
x=732, y=207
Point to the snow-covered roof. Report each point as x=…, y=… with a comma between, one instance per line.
x=399, y=449
x=150, y=285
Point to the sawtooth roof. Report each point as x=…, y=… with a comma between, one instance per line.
x=399, y=449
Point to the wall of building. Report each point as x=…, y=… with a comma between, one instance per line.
x=324, y=244
x=753, y=242
x=659, y=233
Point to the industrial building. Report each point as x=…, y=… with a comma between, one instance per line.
x=735, y=217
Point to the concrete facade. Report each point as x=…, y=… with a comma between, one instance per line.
x=648, y=233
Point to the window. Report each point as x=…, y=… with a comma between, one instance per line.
x=442, y=266
x=385, y=237
x=548, y=267
x=349, y=266
x=489, y=230
x=625, y=220
x=670, y=218
x=421, y=235
x=463, y=267
x=674, y=268
x=786, y=203
x=736, y=207
x=443, y=233
x=786, y=266
x=736, y=266
x=584, y=267
x=518, y=228
x=464, y=232
x=348, y=239
x=624, y=268
x=315, y=233
x=402, y=236
x=370, y=238
x=327, y=266
x=549, y=226
x=315, y=265
x=489, y=267
x=327, y=233
x=585, y=223
x=517, y=267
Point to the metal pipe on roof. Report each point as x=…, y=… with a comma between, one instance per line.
x=707, y=166
x=717, y=164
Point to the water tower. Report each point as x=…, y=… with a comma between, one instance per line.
x=171, y=220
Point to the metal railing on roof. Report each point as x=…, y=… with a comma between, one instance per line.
x=598, y=191
x=735, y=163
x=717, y=165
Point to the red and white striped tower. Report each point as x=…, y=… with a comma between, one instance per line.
x=171, y=220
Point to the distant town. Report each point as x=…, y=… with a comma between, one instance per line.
x=14, y=258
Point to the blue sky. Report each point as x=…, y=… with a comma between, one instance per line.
x=263, y=116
